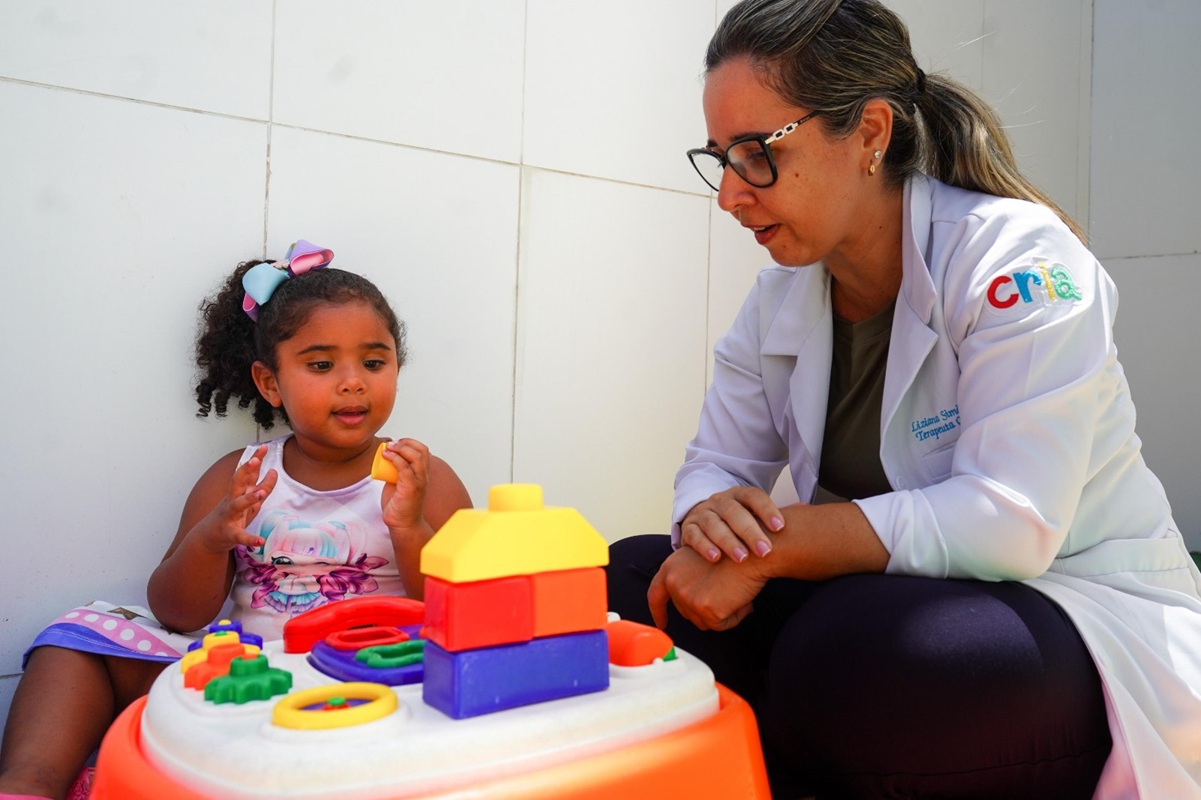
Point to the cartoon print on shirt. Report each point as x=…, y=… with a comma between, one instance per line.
x=293, y=567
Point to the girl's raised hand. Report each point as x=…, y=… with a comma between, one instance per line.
x=404, y=501
x=225, y=526
x=733, y=522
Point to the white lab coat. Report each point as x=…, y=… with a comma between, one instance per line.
x=1007, y=434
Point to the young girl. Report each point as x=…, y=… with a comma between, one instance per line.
x=281, y=527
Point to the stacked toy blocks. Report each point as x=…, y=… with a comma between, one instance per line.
x=515, y=606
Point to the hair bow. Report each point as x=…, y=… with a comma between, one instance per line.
x=261, y=280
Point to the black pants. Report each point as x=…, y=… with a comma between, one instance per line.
x=882, y=686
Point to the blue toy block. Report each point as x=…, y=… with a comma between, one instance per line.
x=473, y=682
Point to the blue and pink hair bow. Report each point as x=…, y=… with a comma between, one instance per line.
x=261, y=280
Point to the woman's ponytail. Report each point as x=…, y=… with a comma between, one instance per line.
x=833, y=56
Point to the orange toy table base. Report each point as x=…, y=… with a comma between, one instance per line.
x=716, y=757
x=512, y=683
x=337, y=709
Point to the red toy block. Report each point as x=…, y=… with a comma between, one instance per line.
x=464, y=616
x=569, y=601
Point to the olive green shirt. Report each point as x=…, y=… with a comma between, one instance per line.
x=850, y=462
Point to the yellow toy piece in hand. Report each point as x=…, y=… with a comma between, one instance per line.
x=381, y=468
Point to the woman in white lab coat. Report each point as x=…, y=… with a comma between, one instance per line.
x=997, y=602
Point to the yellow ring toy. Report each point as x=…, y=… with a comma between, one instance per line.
x=290, y=712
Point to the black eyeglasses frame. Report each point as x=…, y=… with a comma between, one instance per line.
x=764, y=139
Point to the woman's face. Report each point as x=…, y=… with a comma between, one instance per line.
x=809, y=214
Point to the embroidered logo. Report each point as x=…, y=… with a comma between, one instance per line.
x=1045, y=282
x=935, y=426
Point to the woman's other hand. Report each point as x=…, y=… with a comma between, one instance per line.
x=735, y=522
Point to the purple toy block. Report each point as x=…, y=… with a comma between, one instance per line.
x=473, y=682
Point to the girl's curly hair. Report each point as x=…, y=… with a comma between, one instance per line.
x=229, y=341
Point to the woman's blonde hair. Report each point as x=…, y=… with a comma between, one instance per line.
x=832, y=56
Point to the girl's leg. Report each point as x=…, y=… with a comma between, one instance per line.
x=62, y=708
x=892, y=686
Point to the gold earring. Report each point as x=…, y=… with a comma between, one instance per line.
x=871, y=170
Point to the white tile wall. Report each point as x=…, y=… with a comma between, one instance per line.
x=611, y=338
x=444, y=76
x=1034, y=56
x=212, y=56
x=946, y=36
x=438, y=234
x=735, y=258
x=1145, y=118
x=1156, y=339
x=512, y=173
x=613, y=89
x=8, y=686
x=1146, y=224
x=111, y=239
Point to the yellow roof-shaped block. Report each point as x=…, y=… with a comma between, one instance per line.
x=517, y=535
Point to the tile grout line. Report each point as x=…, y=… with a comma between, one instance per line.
x=352, y=137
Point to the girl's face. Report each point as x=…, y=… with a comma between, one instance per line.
x=336, y=379
x=811, y=212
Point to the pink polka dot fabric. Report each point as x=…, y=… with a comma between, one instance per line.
x=107, y=629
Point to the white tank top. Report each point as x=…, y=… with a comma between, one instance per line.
x=320, y=547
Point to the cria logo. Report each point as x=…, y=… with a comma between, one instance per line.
x=1053, y=282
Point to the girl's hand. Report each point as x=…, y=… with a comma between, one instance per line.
x=404, y=502
x=712, y=596
x=224, y=528
x=732, y=522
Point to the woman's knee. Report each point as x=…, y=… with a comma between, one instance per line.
x=888, y=674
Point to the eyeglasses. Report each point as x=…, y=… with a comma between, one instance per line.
x=750, y=158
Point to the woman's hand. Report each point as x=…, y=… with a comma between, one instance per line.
x=733, y=522
x=404, y=501
x=712, y=596
x=224, y=528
